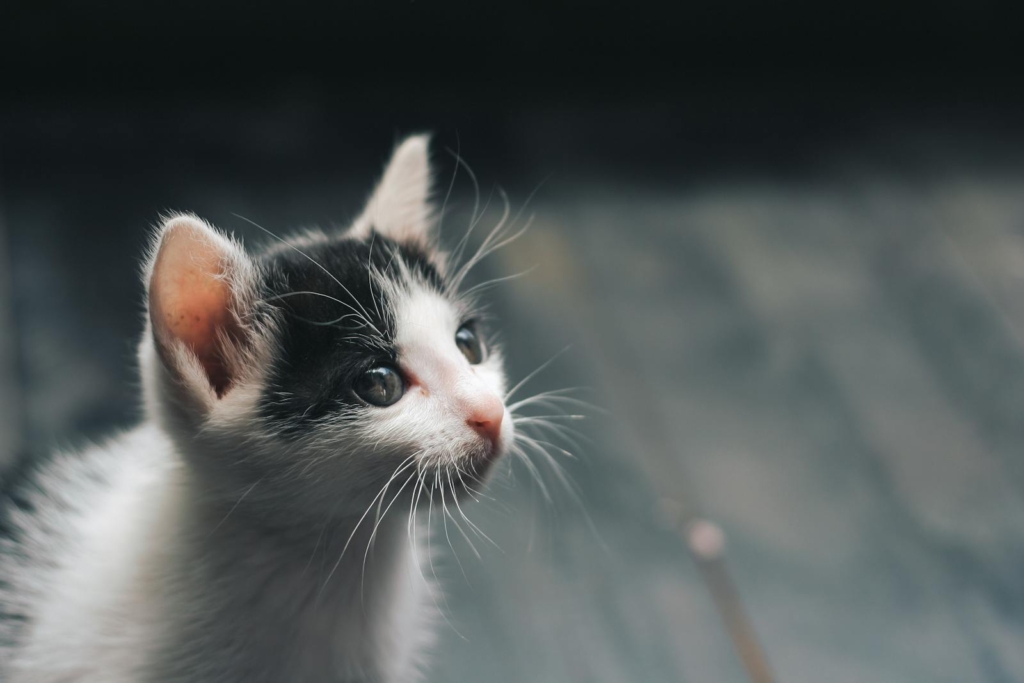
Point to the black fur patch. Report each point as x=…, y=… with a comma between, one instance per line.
x=326, y=295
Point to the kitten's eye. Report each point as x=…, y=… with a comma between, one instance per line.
x=380, y=386
x=469, y=343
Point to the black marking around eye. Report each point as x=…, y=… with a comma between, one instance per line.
x=336, y=320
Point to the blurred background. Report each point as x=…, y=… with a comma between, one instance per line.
x=783, y=243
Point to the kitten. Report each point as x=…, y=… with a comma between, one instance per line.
x=259, y=525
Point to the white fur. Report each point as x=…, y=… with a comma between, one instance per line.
x=150, y=570
x=201, y=547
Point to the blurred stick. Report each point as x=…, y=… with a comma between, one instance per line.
x=707, y=544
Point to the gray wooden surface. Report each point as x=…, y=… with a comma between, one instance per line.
x=838, y=375
x=831, y=368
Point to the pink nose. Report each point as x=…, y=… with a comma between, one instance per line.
x=485, y=415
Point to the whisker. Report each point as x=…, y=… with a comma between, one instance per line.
x=415, y=551
x=472, y=526
x=319, y=537
x=494, y=281
x=373, y=534
x=570, y=487
x=369, y=277
x=482, y=250
x=540, y=443
x=530, y=197
x=459, y=161
x=533, y=472
x=451, y=186
x=458, y=526
x=459, y=253
x=315, y=263
x=411, y=461
x=430, y=560
x=533, y=374
x=444, y=518
x=235, y=506
x=553, y=398
x=543, y=428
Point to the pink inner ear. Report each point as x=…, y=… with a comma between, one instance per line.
x=190, y=300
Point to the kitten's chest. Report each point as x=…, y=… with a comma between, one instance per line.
x=266, y=618
x=320, y=645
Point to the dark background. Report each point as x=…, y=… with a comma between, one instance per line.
x=784, y=242
x=464, y=54
x=758, y=77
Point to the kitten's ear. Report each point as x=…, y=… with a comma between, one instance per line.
x=200, y=287
x=400, y=205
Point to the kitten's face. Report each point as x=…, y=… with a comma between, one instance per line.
x=379, y=358
x=332, y=367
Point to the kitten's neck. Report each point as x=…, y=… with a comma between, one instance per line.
x=252, y=590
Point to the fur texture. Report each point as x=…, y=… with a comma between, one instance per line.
x=260, y=524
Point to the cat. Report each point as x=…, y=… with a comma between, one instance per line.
x=259, y=525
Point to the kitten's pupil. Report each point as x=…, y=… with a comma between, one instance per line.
x=469, y=343
x=380, y=386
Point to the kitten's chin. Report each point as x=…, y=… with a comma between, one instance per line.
x=474, y=471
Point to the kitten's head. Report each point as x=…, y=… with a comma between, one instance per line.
x=329, y=364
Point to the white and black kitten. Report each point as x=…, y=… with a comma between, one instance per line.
x=293, y=398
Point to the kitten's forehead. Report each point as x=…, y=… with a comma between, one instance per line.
x=358, y=278
x=424, y=318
